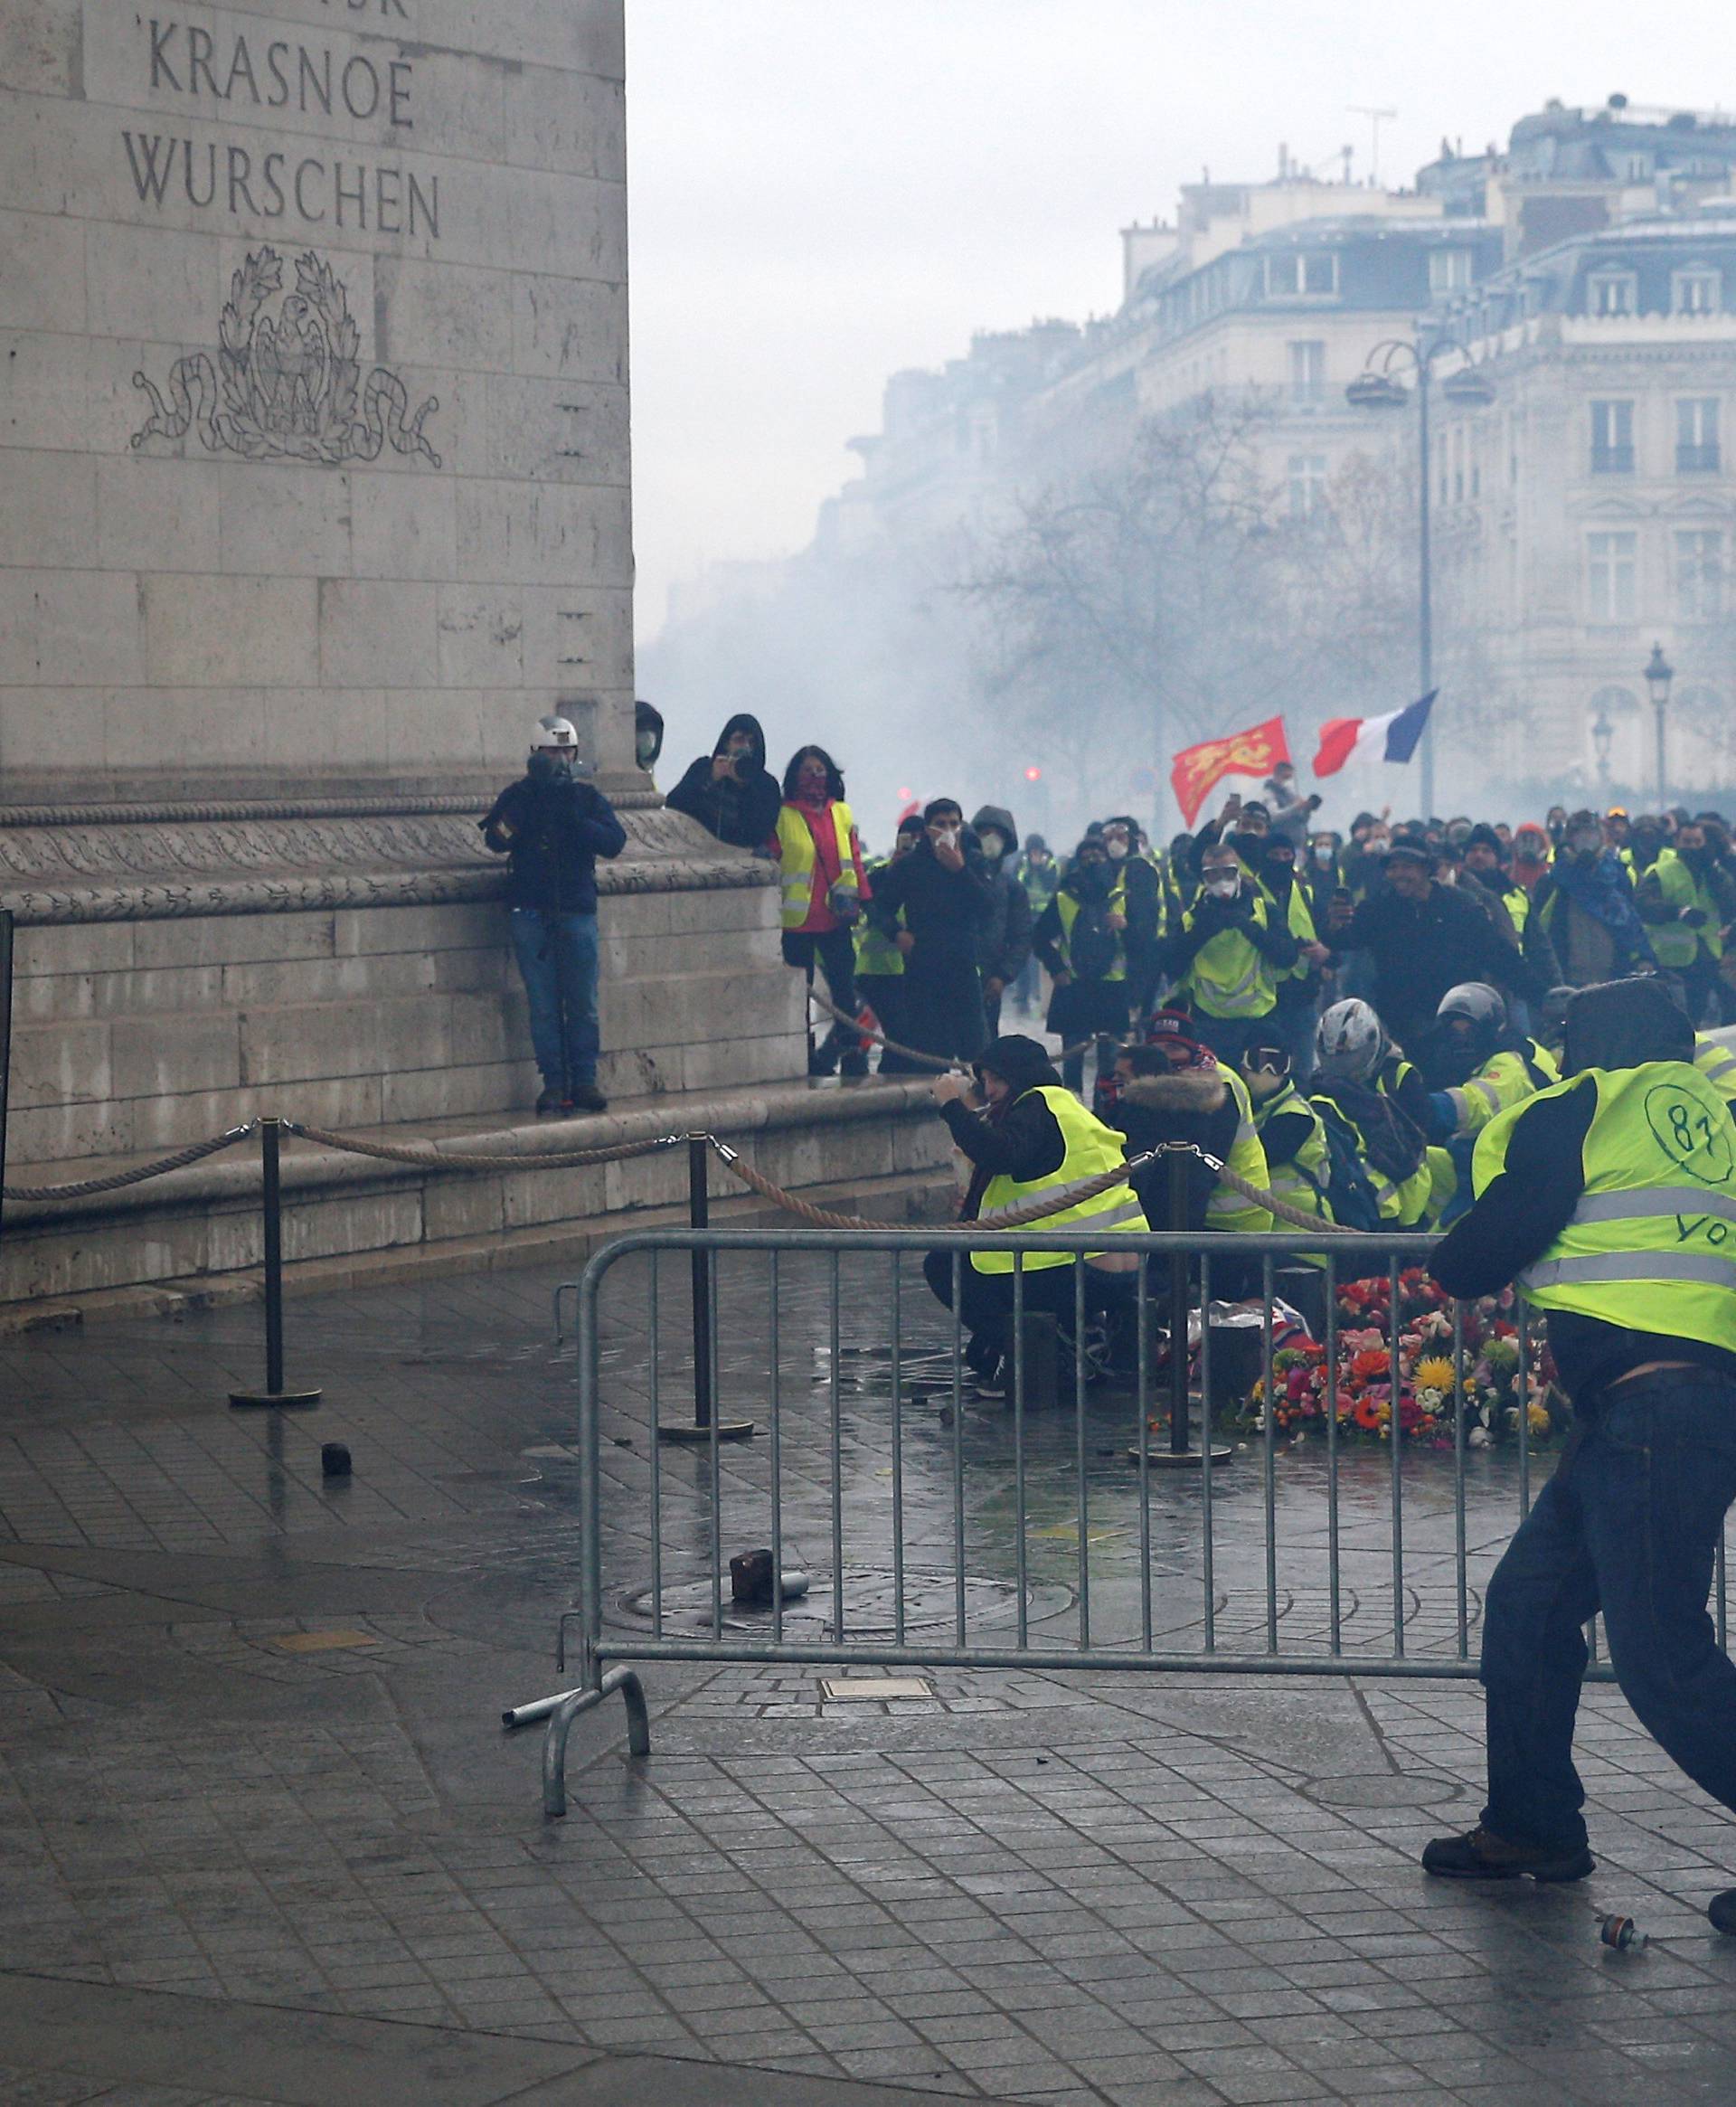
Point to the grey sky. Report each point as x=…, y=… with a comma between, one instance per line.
x=823, y=191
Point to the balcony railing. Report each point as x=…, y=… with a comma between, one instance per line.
x=1612, y=460
x=1698, y=460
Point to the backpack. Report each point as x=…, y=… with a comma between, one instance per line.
x=1349, y=1194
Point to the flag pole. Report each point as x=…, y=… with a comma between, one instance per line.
x=1425, y=610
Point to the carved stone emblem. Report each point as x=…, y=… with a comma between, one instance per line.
x=286, y=381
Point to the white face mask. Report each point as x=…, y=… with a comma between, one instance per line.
x=1323, y=855
x=994, y=845
x=1117, y=850
x=1224, y=886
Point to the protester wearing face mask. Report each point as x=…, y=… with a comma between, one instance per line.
x=1146, y=919
x=648, y=734
x=553, y=824
x=819, y=857
x=936, y=904
x=730, y=792
x=1483, y=867
x=1687, y=900
x=1586, y=906
x=1081, y=939
x=1292, y=1022
x=1225, y=959
x=1004, y=942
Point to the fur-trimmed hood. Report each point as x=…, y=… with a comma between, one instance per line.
x=1194, y=1091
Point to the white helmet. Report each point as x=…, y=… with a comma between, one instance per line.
x=1349, y=1041
x=1477, y=1003
x=554, y=732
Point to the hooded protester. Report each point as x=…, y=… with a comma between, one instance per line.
x=1232, y=945
x=1023, y=1133
x=1599, y=1200
x=1485, y=865
x=935, y=905
x=1174, y=1089
x=1531, y=857
x=1004, y=942
x=731, y=794
x=1292, y=1024
x=1081, y=939
x=648, y=734
x=819, y=856
x=1146, y=917
x=1586, y=904
x=1039, y=871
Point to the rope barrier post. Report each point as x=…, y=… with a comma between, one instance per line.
x=699, y=1216
x=1178, y=1427
x=5, y=1036
x=1181, y=1454
x=273, y=1393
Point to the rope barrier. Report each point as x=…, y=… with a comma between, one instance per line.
x=943, y=1065
x=88, y=1188
x=431, y=1158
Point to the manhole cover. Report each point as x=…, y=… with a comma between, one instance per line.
x=931, y=1606
x=1385, y=1788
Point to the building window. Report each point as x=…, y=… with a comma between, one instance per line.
x=1612, y=292
x=1308, y=365
x=1698, y=573
x=1697, y=436
x=1612, y=437
x=1299, y=273
x=1612, y=577
x=1696, y=292
x=1307, y=484
x=1449, y=270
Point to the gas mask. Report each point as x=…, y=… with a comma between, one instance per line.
x=1223, y=884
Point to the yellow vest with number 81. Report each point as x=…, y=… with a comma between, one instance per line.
x=1652, y=1243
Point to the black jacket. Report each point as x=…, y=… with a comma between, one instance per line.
x=1190, y=1105
x=554, y=828
x=945, y=911
x=1421, y=948
x=1003, y=942
x=1025, y=1144
x=743, y=813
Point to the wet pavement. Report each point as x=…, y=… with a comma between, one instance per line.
x=264, y=1841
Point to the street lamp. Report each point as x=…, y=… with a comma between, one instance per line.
x=1377, y=388
x=1602, y=732
x=1658, y=674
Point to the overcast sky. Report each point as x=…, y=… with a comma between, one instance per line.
x=825, y=190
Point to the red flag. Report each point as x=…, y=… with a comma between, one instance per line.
x=1197, y=770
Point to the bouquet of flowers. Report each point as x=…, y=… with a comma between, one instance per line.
x=1488, y=1380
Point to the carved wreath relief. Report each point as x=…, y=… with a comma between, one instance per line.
x=285, y=381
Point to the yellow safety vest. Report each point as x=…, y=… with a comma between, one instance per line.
x=1229, y=976
x=1228, y=1211
x=1517, y=902
x=1067, y=913
x=876, y=955
x=1506, y=1079
x=1298, y=919
x=1091, y=1148
x=1675, y=944
x=1652, y=1243
x=800, y=866
x=1304, y=1178
x=1717, y=1062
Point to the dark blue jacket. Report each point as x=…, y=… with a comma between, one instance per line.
x=554, y=828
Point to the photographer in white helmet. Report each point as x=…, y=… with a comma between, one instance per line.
x=553, y=823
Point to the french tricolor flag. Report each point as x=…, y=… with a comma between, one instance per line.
x=1392, y=737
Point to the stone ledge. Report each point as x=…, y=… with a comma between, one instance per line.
x=906, y=1199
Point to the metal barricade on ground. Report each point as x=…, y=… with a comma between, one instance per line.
x=942, y=1527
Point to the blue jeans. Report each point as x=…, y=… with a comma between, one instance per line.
x=1629, y=1524
x=557, y=957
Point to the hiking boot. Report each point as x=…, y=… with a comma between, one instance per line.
x=1480, y=1855
x=553, y=1102
x=1722, y=1910
x=585, y=1097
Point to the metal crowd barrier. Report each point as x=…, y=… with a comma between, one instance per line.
x=691, y=1519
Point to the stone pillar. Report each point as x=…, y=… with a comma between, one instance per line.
x=314, y=405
